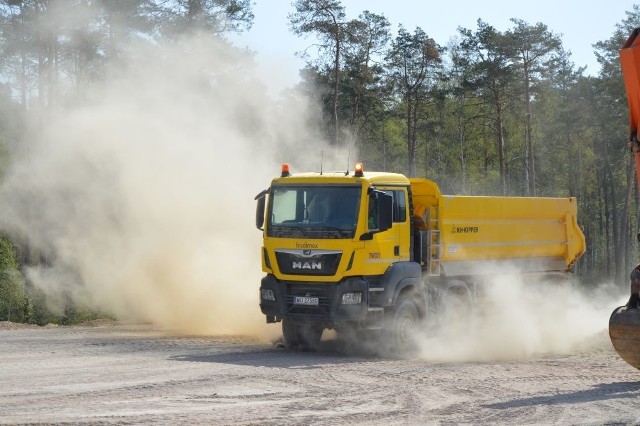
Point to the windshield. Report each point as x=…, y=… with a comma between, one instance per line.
x=313, y=211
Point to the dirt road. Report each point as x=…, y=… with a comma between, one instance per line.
x=138, y=374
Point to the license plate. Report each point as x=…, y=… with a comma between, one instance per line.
x=299, y=300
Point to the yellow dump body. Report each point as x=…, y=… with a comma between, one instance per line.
x=480, y=234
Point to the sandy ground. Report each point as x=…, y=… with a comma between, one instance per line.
x=122, y=374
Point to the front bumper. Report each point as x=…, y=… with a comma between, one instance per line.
x=330, y=312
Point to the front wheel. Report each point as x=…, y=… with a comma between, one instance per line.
x=300, y=336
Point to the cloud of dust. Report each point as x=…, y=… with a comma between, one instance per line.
x=141, y=201
x=521, y=317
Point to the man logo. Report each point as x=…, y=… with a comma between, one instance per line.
x=307, y=265
x=306, y=252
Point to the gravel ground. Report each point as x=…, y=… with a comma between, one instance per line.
x=123, y=374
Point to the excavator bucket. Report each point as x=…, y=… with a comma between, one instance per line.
x=624, y=323
x=624, y=331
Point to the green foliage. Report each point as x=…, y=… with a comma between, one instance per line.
x=39, y=313
x=217, y=17
x=14, y=306
x=493, y=113
x=509, y=113
x=413, y=62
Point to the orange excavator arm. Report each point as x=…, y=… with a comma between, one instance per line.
x=624, y=323
x=630, y=63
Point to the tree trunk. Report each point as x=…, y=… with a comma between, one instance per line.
x=625, y=225
x=41, y=80
x=336, y=77
x=411, y=133
x=611, y=188
x=24, y=79
x=529, y=139
x=501, y=150
x=606, y=226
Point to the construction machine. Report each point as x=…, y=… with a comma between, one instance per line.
x=365, y=251
x=624, y=323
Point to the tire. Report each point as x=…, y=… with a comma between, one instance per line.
x=403, y=327
x=300, y=336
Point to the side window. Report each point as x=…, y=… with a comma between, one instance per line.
x=399, y=205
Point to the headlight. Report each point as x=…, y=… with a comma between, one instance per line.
x=267, y=294
x=352, y=298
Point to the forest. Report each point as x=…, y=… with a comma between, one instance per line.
x=487, y=112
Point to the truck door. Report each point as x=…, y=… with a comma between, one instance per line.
x=400, y=228
x=393, y=245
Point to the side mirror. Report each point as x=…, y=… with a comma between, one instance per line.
x=261, y=198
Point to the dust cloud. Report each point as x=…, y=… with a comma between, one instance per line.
x=520, y=318
x=140, y=201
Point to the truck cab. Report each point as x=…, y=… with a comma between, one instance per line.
x=335, y=248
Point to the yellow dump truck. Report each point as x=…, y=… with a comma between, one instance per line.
x=371, y=250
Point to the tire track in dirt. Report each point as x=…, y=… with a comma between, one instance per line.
x=139, y=374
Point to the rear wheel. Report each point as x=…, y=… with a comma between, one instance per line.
x=300, y=336
x=403, y=327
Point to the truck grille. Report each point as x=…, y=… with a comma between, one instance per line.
x=308, y=262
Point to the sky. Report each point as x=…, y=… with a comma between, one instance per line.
x=580, y=24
